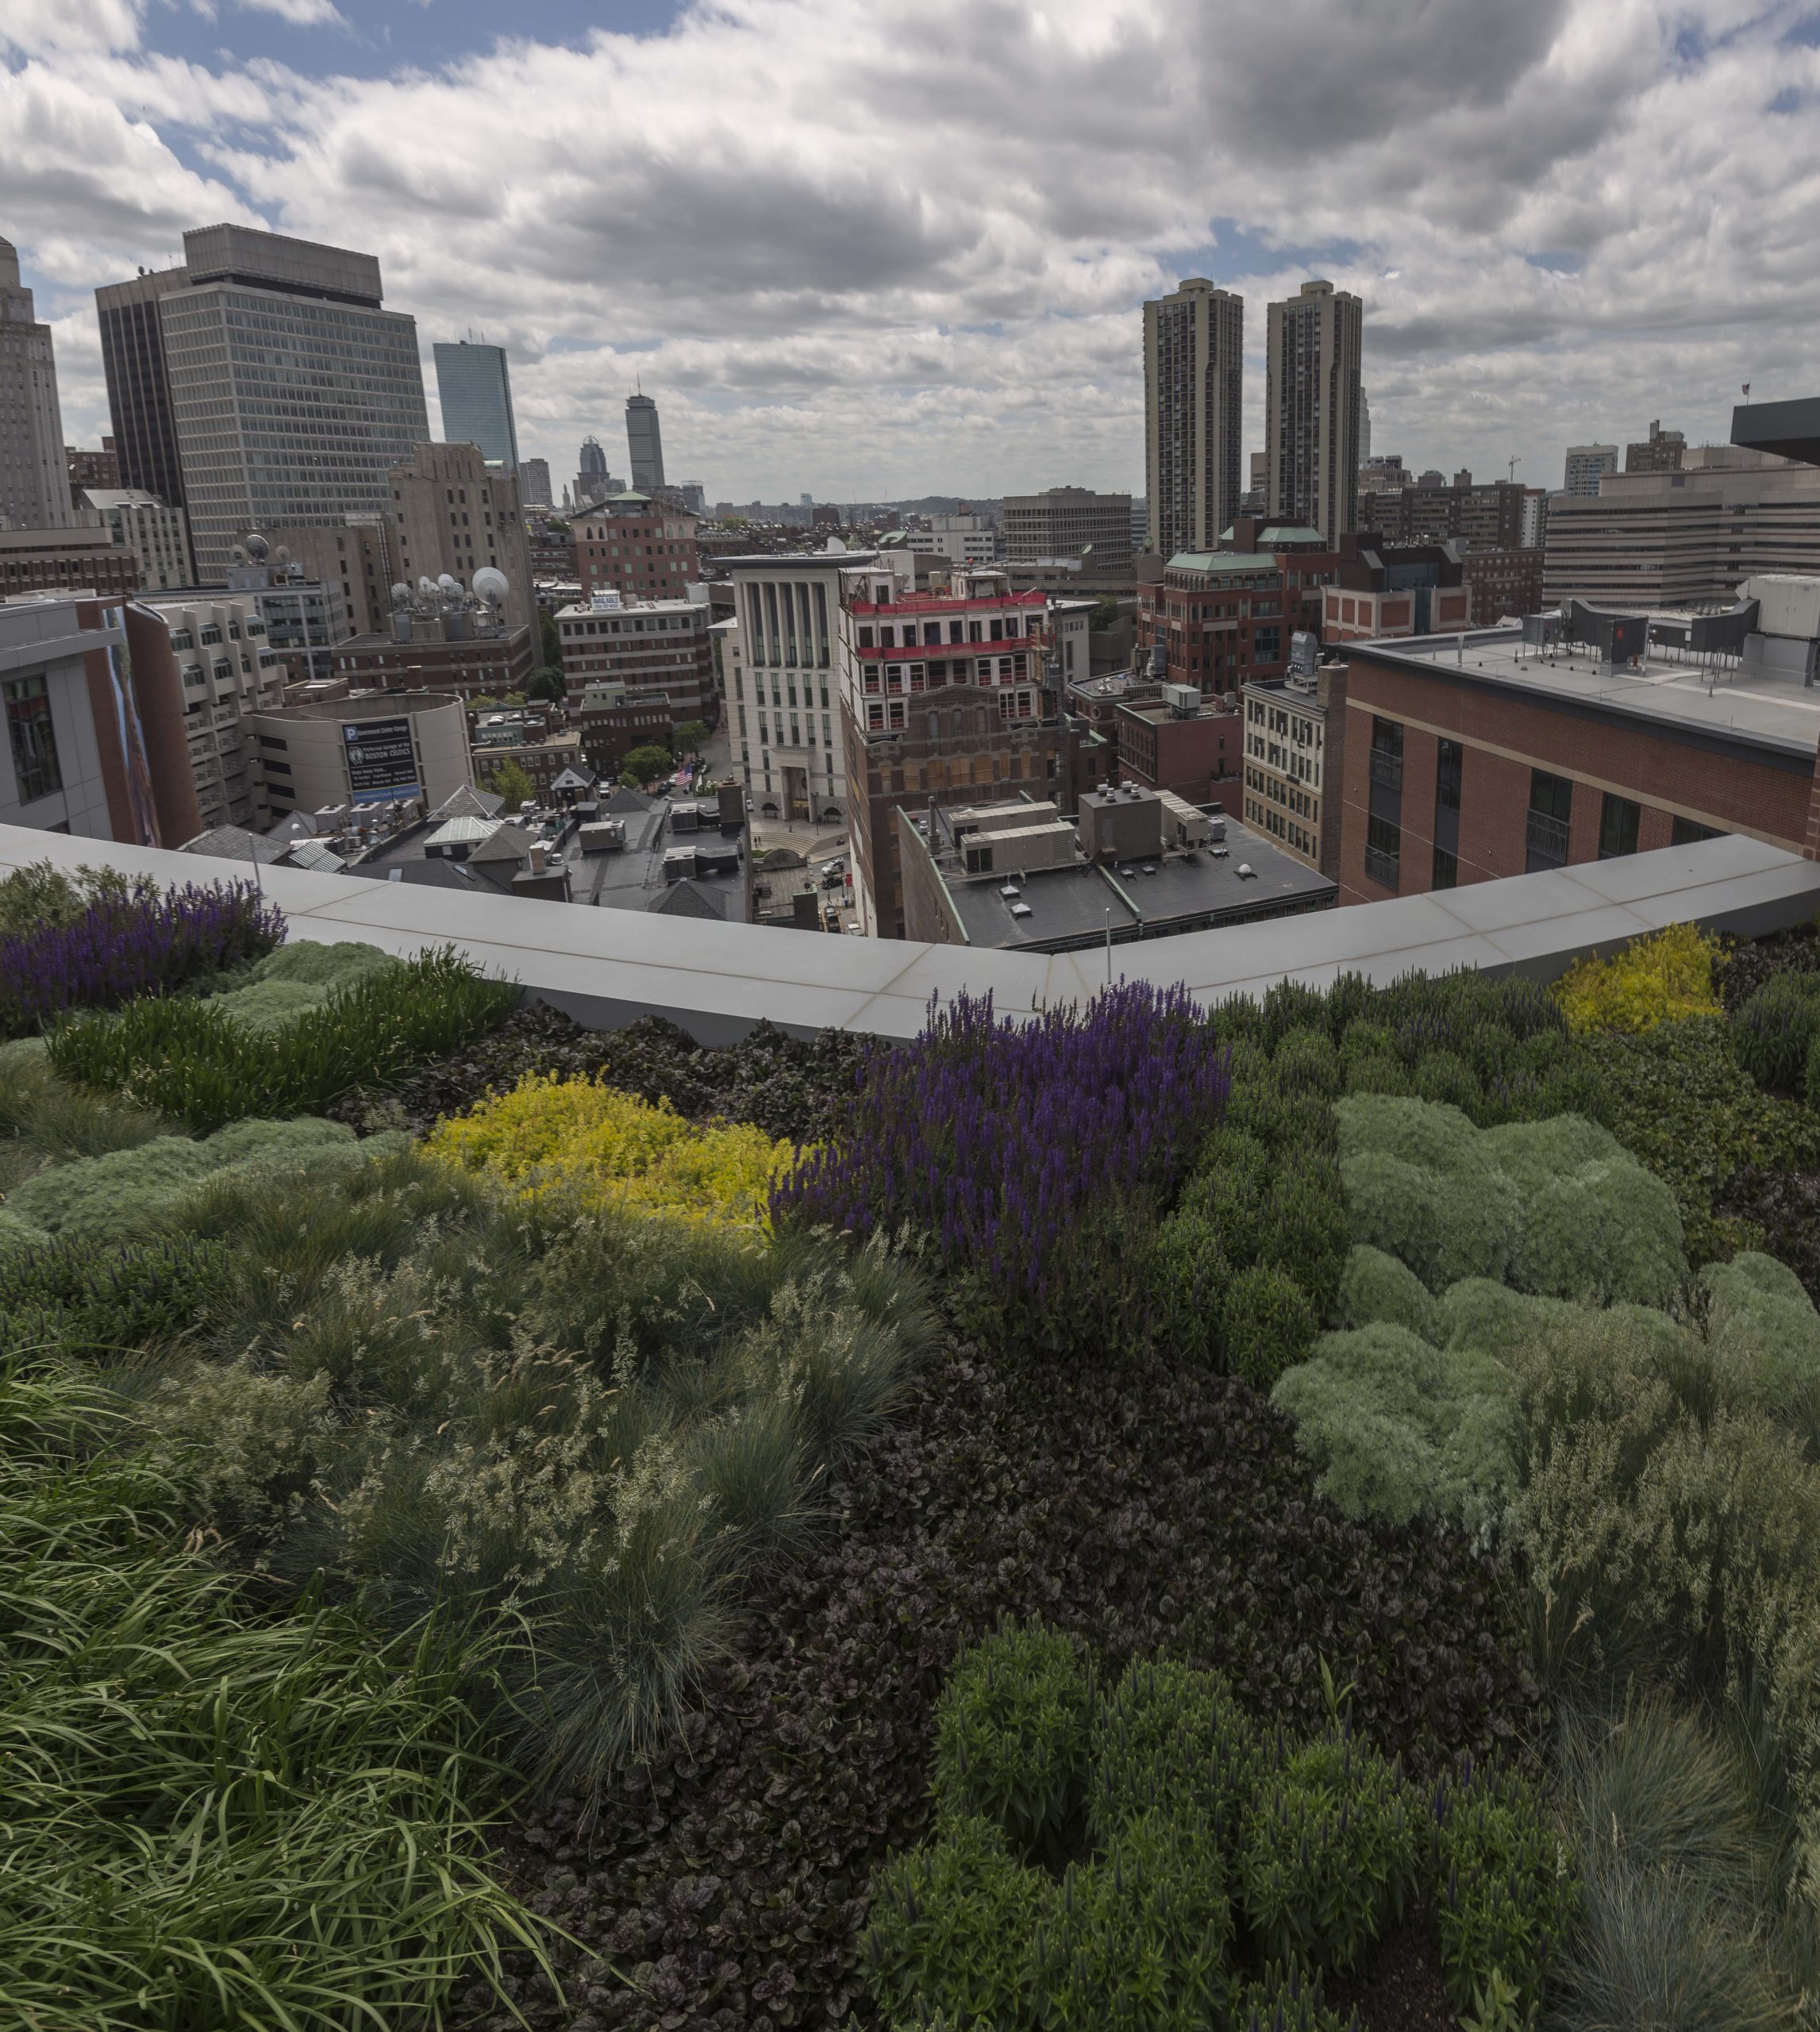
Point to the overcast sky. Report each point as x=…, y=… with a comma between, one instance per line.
x=865, y=250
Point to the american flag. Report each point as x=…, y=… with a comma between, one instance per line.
x=1747, y=391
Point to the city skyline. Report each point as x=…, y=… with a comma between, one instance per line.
x=1547, y=248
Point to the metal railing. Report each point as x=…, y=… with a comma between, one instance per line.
x=1387, y=769
x=1548, y=839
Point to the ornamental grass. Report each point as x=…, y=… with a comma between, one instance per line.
x=551, y=1132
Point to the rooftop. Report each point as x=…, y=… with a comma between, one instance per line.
x=1761, y=708
x=635, y=878
x=1220, y=561
x=363, y=706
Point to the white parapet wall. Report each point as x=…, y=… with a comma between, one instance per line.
x=607, y=968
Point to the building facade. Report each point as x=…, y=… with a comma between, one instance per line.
x=1661, y=451
x=1386, y=589
x=1488, y=517
x=141, y=523
x=1068, y=521
x=534, y=483
x=645, y=442
x=1587, y=465
x=1169, y=744
x=1311, y=410
x=1295, y=732
x=225, y=669
x=640, y=548
x=474, y=392
x=88, y=467
x=288, y=391
x=660, y=646
x=942, y=695
x=34, y=467
x=1652, y=541
x=616, y=719
x=332, y=753
x=1194, y=386
x=783, y=677
x=1502, y=582
x=451, y=512
x=462, y=657
x=68, y=559
x=1222, y=616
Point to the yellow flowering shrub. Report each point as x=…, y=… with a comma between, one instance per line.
x=550, y=1131
x=1657, y=980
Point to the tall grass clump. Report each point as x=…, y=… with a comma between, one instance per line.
x=128, y=939
x=210, y=1816
x=190, y=1059
x=1034, y=1157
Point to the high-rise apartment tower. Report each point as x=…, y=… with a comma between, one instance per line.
x=534, y=482
x=34, y=472
x=268, y=369
x=1193, y=366
x=1587, y=465
x=1311, y=411
x=476, y=392
x=645, y=442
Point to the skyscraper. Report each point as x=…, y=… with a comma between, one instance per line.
x=534, y=482
x=1587, y=465
x=476, y=392
x=591, y=478
x=1364, y=428
x=34, y=473
x=646, y=443
x=269, y=368
x=1311, y=410
x=1194, y=365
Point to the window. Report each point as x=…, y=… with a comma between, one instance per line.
x=1384, y=851
x=1685, y=832
x=1387, y=752
x=34, y=740
x=1617, y=818
x=1551, y=813
x=1446, y=870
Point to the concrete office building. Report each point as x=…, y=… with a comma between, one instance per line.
x=473, y=391
x=644, y=440
x=662, y=646
x=34, y=467
x=88, y=467
x=451, y=512
x=1674, y=539
x=941, y=695
x=71, y=560
x=373, y=750
x=1068, y=522
x=224, y=667
x=90, y=725
x=1193, y=385
x=534, y=483
x=636, y=547
x=782, y=671
x=1662, y=452
x=1311, y=410
x=1587, y=465
x=964, y=538
x=267, y=369
x=140, y=522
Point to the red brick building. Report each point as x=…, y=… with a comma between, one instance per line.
x=1381, y=590
x=1469, y=759
x=1190, y=754
x=1224, y=616
x=641, y=549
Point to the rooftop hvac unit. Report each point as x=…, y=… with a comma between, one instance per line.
x=1304, y=652
x=1183, y=700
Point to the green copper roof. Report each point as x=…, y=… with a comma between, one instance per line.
x=1290, y=533
x=1222, y=560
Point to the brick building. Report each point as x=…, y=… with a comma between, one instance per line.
x=646, y=645
x=615, y=719
x=1502, y=582
x=1382, y=589
x=56, y=561
x=473, y=666
x=641, y=549
x=1224, y=616
x=1487, y=516
x=942, y=697
x=1485, y=755
x=1165, y=746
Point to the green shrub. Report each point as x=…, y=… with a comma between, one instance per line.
x=1189, y=1273
x=82, y=1297
x=1401, y=1429
x=1420, y=1186
x=1778, y=1027
x=294, y=978
x=1330, y=1858
x=1267, y=1322
x=1377, y=1289
x=106, y=1199
x=1444, y=1077
x=1758, y=1316
x=189, y=1058
x=1287, y=2000
x=1171, y=1740
x=1500, y=1885
x=1379, y=1073
x=1489, y=1318
x=1013, y=1740
x=1305, y=1062
x=1303, y=1230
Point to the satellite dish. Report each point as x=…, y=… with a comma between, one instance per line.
x=448, y=582
x=426, y=584
x=256, y=548
x=401, y=595
x=281, y=556
x=490, y=584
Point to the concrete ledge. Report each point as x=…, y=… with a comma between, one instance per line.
x=607, y=968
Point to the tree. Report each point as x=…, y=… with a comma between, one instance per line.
x=644, y=765
x=550, y=637
x=690, y=737
x=509, y=779
x=546, y=683
x=1105, y=612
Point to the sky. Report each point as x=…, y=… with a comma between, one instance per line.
x=870, y=249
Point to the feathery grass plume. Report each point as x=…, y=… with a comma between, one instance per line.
x=1032, y=1155
x=130, y=940
x=189, y=1058
x=213, y=1815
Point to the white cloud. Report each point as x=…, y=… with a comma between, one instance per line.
x=300, y=13
x=860, y=247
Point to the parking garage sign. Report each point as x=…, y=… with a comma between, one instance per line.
x=381, y=763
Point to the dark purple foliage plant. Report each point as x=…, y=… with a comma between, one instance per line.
x=140, y=940
x=1034, y=1158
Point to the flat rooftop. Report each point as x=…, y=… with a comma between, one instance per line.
x=363, y=705
x=1758, y=707
x=633, y=878
x=1145, y=897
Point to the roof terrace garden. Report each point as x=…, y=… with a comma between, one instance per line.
x=1294, y=1513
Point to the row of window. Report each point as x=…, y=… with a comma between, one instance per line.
x=903, y=635
x=919, y=677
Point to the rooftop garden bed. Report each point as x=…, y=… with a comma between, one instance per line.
x=1295, y=1515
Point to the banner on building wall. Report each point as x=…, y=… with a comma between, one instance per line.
x=381, y=762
